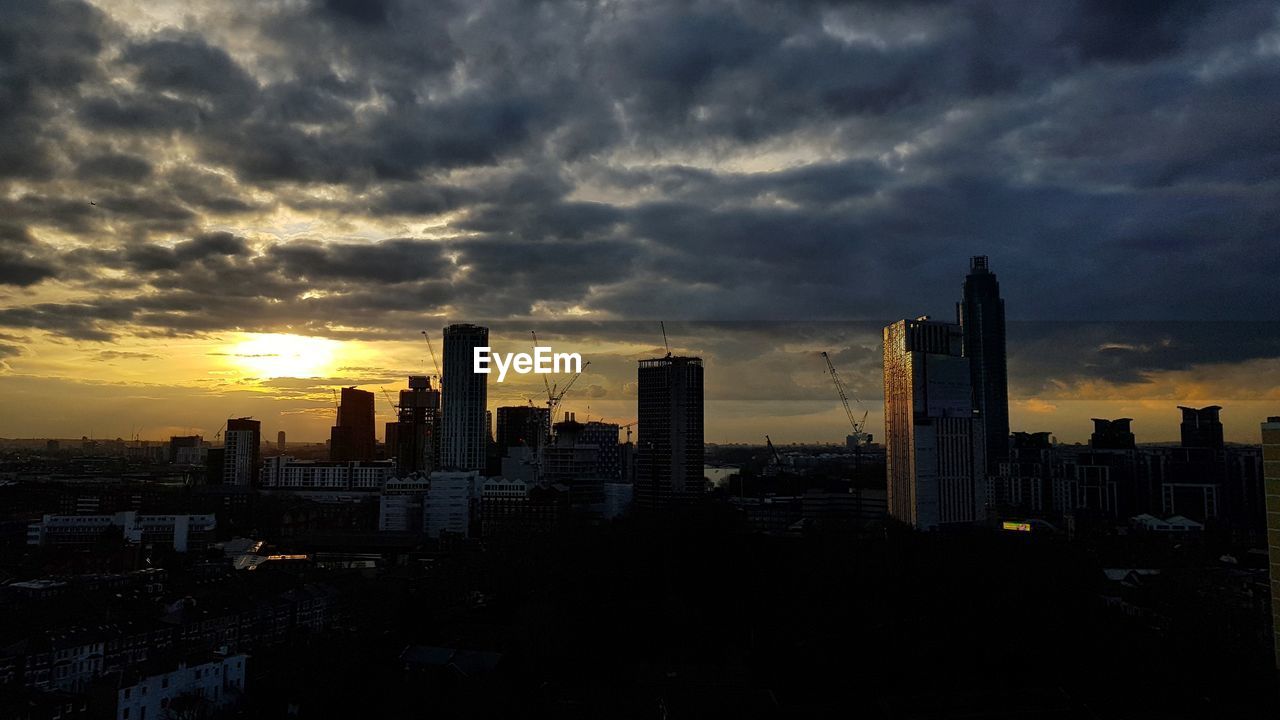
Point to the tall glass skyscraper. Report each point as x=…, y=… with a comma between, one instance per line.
x=464, y=430
x=981, y=318
x=934, y=449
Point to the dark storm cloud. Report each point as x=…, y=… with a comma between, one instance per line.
x=736, y=161
x=1043, y=354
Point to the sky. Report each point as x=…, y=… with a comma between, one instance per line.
x=211, y=209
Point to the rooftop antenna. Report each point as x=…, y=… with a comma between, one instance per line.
x=663, y=325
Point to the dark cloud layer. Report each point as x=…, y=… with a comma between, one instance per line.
x=720, y=161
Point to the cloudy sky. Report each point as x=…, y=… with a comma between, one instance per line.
x=231, y=208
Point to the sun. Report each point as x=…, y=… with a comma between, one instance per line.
x=276, y=355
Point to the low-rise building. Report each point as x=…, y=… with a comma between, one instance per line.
x=178, y=531
x=191, y=689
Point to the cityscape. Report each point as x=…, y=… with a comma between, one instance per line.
x=380, y=359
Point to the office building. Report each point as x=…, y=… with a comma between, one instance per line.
x=412, y=438
x=288, y=473
x=522, y=426
x=934, y=444
x=1271, y=481
x=669, y=432
x=604, y=436
x=448, y=503
x=401, y=505
x=280, y=441
x=353, y=437
x=981, y=318
x=241, y=451
x=1201, y=427
x=464, y=429
x=186, y=449
x=180, y=532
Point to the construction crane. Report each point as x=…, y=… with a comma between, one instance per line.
x=555, y=398
x=394, y=406
x=628, y=427
x=774, y=463
x=546, y=383
x=665, y=344
x=860, y=437
x=432, y=349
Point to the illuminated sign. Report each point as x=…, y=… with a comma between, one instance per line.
x=1016, y=526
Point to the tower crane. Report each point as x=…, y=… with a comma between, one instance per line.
x=392, y=403
x=432, y=350
x=859, y=435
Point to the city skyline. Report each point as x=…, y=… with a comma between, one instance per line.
x=208, y=205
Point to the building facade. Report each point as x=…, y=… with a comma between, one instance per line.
x=242, y=451
x=669, y=438
x=464, y=428
x=934, y=444
x=981, y=318
x=412, y=440
x=448, y=503
x=1271, y=479
x=353, y=438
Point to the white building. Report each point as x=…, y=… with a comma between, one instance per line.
x=287, y=473
x=448, y=503
x=400, y=508
x=179, y=531
x=200, y=687
x=239, y=450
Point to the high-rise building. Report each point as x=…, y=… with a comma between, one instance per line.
x=522, y=425
x=1201, y=427
x=412, y=438
x=464, y=431
x=1271, y=483
x=242, y=451
x=934, y=443
x=669, y=432
x=1112, y=434
x=605, y=436
x=981, y=318
x=280, y=441
x=353, y=437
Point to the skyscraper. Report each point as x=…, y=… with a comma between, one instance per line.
x=981, y=318
x=353, y=437
x=1201, y=427
x=1271, y=483
x=934, y=445
x=412, y=438
x=241, y=451
x=669, y=432
x=464, y=431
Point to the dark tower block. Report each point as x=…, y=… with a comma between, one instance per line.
x=669, y=445
x=981, y=318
